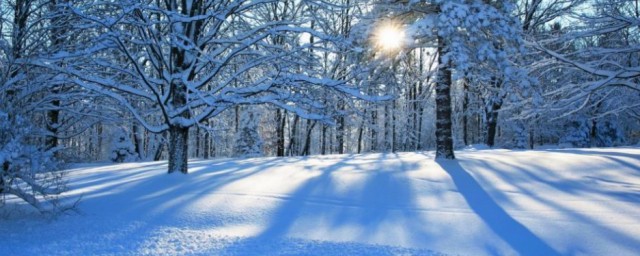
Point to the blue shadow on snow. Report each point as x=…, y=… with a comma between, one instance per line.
x=518, y=236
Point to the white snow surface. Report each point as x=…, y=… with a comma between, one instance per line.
x=488, y=202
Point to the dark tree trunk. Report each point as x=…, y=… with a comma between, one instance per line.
x=374, y=129
x=413, y=124
x=593, y=134
x=465, y=121
x=178, y=149
x=323, y=146
x=394, y=136
x=491, y=115
x=386, y=141
x=281, y=118
x=99, y=135
x=360, y=132
x=198, y=143
x=158, y=155
x=307, y=142
x=58, y=31
x=53, y=116
x=237, y=123
x=5, y=169
x=531, y=138
x=207, y=140
x=444, y=138
x=340, y=129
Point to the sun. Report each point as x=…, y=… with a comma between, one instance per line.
x=389, y=37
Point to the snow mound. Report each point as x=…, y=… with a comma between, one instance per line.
x=489, y=202
x=476, y=147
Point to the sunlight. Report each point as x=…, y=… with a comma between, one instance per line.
x=389, y=37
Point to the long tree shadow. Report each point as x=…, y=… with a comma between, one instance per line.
x=518, y=236
x=624, y=159
x=569, y=187
x=382, y=194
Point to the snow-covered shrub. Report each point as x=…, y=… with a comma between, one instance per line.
x=248, y=140
x=123, y=150
x=577, y=135
x=26, y=171
x=608, y=134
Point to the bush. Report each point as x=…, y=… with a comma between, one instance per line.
x=27, y=172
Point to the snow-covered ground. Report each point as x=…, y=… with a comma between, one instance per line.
x=488, y=202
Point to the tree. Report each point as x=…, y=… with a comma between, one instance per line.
x=27, y=171
x=122, y=149
x=592, y=69
x=475, y=40
x=248, y=140
x=192, y=60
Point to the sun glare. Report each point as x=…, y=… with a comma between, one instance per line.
x=389, y=37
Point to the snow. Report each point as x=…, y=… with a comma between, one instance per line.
x=487, y=202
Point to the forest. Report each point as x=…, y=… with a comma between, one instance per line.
x=319, y=127
x=126, y=81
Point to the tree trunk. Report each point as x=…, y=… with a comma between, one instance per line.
x=5, y=169
x=198, y=143
x=374, y=129
x=444, y=138
x=360, y=132
x=178, y=149
x=323, y=146
x=206, y=142
x=393, y=127
x=307, y=142
x=57, y=41
x=386, y=142
x=491, y=115
x=138, y=141
x=593, y=134
x=465, y=107
x=99, y=136
x=293, y=144
x=53, y=116
x=531, y=139
x=340, y=129
x=237, y=121
x=281, y=118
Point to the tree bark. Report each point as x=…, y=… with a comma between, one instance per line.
x=444, y=138
x=465, y=121
x=323, y=144
x=138, y=141
x=360, y=132
x=53, y=116
x=206, y=142
x=340, y=129
x=491, y=115
x=178, y=149
x=374, y=127
x=5, y=169
x=57, y=41
x=307, y=143
x=293, y=144
x=280, y=125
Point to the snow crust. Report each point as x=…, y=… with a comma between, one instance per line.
x=487, y=202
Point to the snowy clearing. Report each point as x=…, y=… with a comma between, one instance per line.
x=488, y=202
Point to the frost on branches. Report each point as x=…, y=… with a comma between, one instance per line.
x=248, y=140
x=123, y=150
x=188, y=62
x=476, y=41
x=28, y=172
